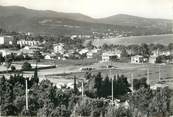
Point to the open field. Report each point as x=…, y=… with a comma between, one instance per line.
x=66, y=70
x=161, y=39
x=127, y=69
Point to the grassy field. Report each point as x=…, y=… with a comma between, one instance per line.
x=126, y=69
x=66, y=70
x=161, y=39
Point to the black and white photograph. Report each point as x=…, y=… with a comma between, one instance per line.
x=86, y=58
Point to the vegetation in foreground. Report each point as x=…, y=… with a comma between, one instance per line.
x=45, y=99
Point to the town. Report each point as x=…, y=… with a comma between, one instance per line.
x=86, y=58
x=108, y=78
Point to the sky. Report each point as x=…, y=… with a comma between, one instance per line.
x=101, y=8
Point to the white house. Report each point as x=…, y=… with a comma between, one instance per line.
x=166, y=53
x=29, y=50
x=108, y=56
x=94, y=53
x=4, y=52
x=118, y=52
x=152, y=59
x=83, y=51
x=6, y=40
x=137, y=59
x=49, y=56
x=59, y=48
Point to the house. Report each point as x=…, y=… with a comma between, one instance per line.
x=29, y=50
x=28, y=43
x=66, y=55
x=83, y=51
x=152, y=59
x=161, y=52
x=166, y=53
x=95, y=53
x=90, y=55
x=5, y=52
x=59, y=48
x=73, y=37
x=137, y=59
x=118, y=53
x=109, y=56
x=8, y=40
x=50, y=56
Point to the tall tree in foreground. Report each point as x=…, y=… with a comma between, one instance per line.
x=35, y=78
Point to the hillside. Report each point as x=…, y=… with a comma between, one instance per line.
x=154, y=39
x=50, y=22
x=128, y=20
x=6, y=11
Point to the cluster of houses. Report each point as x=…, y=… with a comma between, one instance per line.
x=101, y=35
x=59, y=52
x=29, y=47
x=7, y=40
x=152, y=58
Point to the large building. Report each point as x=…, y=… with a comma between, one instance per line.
x=137, y=59
x=59, y=48
x=7, y=40
x=28, y=43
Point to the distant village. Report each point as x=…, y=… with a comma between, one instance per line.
x=25, y=49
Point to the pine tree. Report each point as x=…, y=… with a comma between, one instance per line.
x=75, y=87
x=35, y=78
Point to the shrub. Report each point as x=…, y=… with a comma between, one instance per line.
x=26, y=66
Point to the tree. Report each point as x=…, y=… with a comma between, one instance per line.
x=160, y=59
x=8, y=62
x=37, y=56
x=75, y=86
x=105, y=46
x=139, y=83
x=160, y=102
x=151, y=102
x=1, y=59
x=89, y=45
x=106, y=87
x=170, y=46
x=88, y=75
x=13, y=68
x=124, y=53
x=97, y=87
x=35, y=78
x=123, y=112
x=44, y=98
x=98, y=84
x=92, y=108
x=26, y=66
x=145, y=51
x=121, y=86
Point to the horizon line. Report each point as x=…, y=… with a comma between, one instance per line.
x=84, y=13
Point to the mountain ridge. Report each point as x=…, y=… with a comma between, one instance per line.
x=24, y=19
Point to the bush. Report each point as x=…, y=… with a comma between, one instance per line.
x=13, y=68
x=26, y=66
